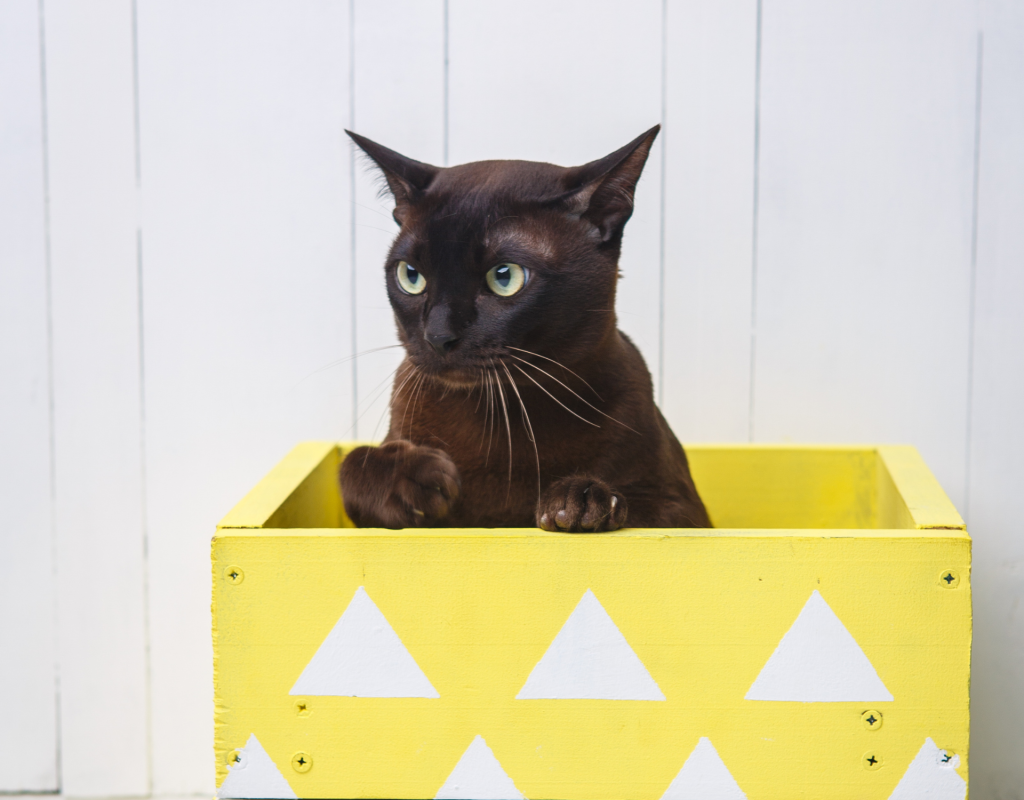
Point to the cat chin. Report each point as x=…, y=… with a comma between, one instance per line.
x=455, y=378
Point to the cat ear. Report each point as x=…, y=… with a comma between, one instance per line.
x=602, y=191
x=407, y=179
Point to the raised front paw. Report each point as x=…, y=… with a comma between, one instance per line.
x=398, y=485
x=581, y=505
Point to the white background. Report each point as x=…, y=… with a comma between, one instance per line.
x=828, y=246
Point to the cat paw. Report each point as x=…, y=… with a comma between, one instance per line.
x=398, y=485
x=581, y=505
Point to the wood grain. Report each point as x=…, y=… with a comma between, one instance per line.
x=101, y=564
x=399, y=102
x=519, y=89
x=864, y=248
x=997, y=428
x=709, y=218
x=247, y=299
x=28, y=734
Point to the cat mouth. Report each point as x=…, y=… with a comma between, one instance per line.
x=459, y=377
x=467, y=374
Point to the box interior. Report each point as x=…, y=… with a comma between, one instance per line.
x=745, y=487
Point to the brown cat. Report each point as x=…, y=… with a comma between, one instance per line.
x=519, y=403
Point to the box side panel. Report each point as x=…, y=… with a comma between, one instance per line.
x=927, y=503
x=786, y=487
x=701, y=616
x=316, y=502
x=265, y=501
x=892, y=507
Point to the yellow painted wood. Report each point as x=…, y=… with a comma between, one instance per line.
x=300, y=492
x=918, y=491
x=703, y=610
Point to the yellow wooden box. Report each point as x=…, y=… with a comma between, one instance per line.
x=815, y=644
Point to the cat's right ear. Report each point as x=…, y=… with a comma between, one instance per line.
x=407, y=179
x=602, y=191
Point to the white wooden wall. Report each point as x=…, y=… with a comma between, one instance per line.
x=828, y=246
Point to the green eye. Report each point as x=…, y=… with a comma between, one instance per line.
x=506, y=279
x=410, y=279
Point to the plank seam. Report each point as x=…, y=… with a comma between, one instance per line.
x=47, y=260
x=753, y=254
x=352, y=211
x=661, y=210
x=445, y=123
x=972, y=292
x=146, y=632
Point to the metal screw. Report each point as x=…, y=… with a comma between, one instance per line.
x=234, y=575
x=949, y=578
x=871, y=761
x=872, y=719
x=302, y=707
x=302, y=762
x=236, y=759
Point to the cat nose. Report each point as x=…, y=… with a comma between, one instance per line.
x=441, y=342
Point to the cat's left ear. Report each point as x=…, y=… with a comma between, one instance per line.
x=602, y=191
x=407, y=179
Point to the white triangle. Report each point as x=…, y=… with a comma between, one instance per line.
x=590, y=659
x=704, y=776
x=255, y=776
x=931, y=775
x=362, y=656
x=478, y=776
x=818, y=661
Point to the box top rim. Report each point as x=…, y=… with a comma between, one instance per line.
x=231, y=532
x=928, y=505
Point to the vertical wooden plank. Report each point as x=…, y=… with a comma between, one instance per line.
x=28, y=734
x=399, y=102
x=997, y=427
x=567, y=81
x=247, y=300
x=866, y=174
x=93, y=211
x=711, y=70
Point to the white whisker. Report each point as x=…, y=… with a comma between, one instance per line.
x=558, y=363
x=526, y=419
x=341, y=361
x=599, y=411
x=373, y=396
x=508, y=428
x=490, y=426
x=394, y=395
x=563, y=405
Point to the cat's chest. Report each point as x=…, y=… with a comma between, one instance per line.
x=496, y=444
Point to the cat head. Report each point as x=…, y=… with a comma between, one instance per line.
x=500, y=257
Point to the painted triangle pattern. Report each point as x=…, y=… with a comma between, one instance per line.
x=255, y=776
x=931, y=775
x=704, y=776
x=590, y=659
x=818, y=661
x=362, y=656
x=478, y=776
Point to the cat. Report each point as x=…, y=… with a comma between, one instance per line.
x=519, y=403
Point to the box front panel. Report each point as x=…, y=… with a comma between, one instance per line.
x=590, y=633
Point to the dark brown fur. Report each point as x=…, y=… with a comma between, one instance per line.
x=461, y=448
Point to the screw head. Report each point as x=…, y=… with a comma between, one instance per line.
x=949, y=578
x=302, y=762
x=871, y=761
x=302, y=707
x=872, y=719
x=234, y=575
x=236, y=759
